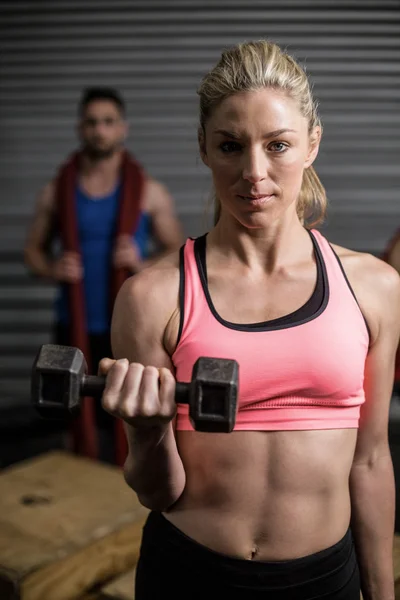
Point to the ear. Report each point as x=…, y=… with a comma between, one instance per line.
x=314, y=141
x=202, y=145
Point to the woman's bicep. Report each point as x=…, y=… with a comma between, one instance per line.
x=137, y=329
x=138, y=325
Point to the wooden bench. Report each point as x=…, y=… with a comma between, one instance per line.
x=122, y=588
x=67, y=524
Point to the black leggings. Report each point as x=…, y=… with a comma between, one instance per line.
x=172, y=564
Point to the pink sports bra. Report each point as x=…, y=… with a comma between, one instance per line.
x=301, y=371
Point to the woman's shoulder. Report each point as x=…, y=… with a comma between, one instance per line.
x=156, y=284
x=146, y=303
x=367, y=268
x=375, y=283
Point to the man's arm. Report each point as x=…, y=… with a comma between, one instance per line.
x=372, y=486
x=166, y=226
x=35, y=255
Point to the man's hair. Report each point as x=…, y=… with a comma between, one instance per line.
x=101, y=93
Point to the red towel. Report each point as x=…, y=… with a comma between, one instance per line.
x=83, y=428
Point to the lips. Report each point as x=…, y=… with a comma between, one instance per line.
x=256, y=196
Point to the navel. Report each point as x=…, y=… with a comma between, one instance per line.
x=253, y=553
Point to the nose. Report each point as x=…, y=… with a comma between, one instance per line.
x=255, y=166
x=100, y=128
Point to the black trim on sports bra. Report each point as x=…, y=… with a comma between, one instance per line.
x=351, y=289
x=309, y=311
x=181, y=291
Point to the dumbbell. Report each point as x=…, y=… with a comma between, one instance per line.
x=59, y=382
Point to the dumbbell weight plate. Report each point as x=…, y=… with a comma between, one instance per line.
x=56, y=378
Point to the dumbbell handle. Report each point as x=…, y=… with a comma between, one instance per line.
x=93, y=385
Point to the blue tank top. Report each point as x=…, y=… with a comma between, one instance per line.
x=96, y=219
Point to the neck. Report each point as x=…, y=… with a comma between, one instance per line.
x=101, y=166
x=278, y=244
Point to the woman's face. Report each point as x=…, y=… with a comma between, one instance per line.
x=257, y=145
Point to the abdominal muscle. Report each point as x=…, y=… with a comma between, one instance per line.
x=265, y=495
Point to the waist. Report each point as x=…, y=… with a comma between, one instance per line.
x=284, y=493
x=328, y=570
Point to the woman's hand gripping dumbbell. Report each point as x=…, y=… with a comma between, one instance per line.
x=135, y=393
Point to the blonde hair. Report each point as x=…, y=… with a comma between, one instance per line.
x=252, y=66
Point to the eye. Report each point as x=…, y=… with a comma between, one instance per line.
x=228, y=147
x=278, y=147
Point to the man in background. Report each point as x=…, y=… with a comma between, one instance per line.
x=93, y=226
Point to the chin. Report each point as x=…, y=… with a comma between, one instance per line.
x=252, y=220
x=99, y=153
x=261, y=219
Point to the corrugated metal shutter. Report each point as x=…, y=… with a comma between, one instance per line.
x=155, y=52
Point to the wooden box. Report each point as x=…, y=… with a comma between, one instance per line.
x=122, y=588
x=67, y=524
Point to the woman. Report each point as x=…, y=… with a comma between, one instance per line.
x=391, y=255
x=265, y=511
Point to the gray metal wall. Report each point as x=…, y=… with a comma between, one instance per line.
x=155, y=52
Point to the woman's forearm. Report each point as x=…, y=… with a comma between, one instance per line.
x=154, y=469
x=373, y=507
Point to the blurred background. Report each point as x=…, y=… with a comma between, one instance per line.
x=155, y=53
